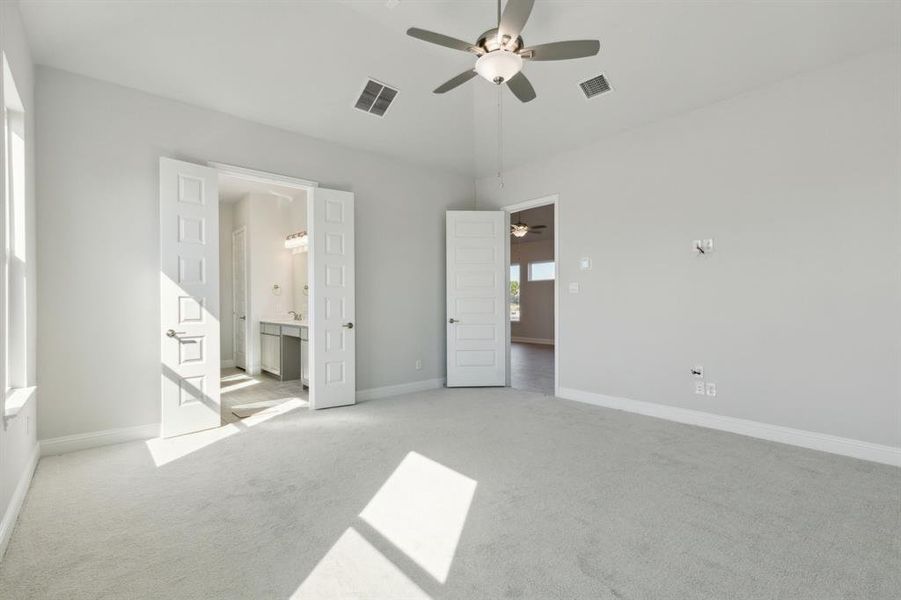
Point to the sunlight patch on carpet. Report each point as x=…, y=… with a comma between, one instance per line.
x=354, y=568
x=422, y=509
x=165, y=450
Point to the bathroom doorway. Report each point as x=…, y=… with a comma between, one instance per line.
x=264, y=295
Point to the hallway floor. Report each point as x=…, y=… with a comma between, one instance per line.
x=532, y=367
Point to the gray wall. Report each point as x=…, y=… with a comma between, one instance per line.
x=796, y=315
x=536, y=298
x=98, y=153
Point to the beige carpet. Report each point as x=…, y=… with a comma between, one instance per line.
x=464, y=494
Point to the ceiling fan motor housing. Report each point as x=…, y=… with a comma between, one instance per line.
x=500, y=60
x=489, y=42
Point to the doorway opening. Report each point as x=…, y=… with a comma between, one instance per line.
x=264, y=295
x=190, y=310
x=532, y=350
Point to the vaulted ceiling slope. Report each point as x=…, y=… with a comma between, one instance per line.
x=300, y=66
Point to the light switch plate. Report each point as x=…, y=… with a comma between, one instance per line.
x=575, y=288
x=711, y=389
x=706, y=245
x=700, y=390
x=585, y=264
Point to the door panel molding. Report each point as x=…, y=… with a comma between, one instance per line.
x=476, y=298
x=189, y=297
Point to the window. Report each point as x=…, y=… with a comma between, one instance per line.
x=514, y=292
x=541, y=271
x=12, y=232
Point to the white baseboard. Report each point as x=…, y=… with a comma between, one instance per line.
x=227, y=364
x=889, y=455
x=95, y=439
x=528, y=340
x=17, y=499
x=397, y=390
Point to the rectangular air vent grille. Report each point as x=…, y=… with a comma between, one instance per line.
x=595, y=86
x=376, y=98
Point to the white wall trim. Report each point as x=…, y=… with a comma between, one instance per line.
x=262, y=176
x=400, y=389
x=95, y=439
x=824, y=442
x=17, y=500
x=227, y=363
x=528, y=340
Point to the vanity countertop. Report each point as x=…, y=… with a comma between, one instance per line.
x=289, y=322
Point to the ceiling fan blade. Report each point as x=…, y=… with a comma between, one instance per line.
x=521, y=87
x=562, y=50
x=455, y=82
x=516, y=13
x=440, y=39
x=539, y=226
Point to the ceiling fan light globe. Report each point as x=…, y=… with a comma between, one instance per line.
x=519, y=230
x=499, y=66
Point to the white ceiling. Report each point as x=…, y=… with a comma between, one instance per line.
x=301, y=65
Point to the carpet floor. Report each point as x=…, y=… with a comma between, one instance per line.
x=470, y=494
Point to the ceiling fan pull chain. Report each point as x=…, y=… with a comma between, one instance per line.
x=500, y=138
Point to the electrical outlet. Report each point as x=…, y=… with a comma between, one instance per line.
x=699, y=388
x=711, y=389
x=418, y=364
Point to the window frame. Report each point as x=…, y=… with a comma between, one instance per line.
x=14, y=308
x=519, y=280
x=550, y=262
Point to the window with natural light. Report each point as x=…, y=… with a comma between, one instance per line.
x=542, y=271
x=13, y=281
x=514, y=292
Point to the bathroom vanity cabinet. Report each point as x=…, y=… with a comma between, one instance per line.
x=283, y=350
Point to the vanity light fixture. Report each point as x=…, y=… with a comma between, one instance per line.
x=297, y=242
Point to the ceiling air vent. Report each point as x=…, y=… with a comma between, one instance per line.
x=595, y=86
x=376, y=98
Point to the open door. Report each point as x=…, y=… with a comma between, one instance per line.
x=189, y=297
x=332, y=335
x=476, y=298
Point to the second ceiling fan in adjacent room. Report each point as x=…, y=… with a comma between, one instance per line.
x=501, y=51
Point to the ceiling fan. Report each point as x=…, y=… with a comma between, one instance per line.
x=520, y=229
x=501, y=51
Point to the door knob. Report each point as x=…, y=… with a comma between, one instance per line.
x=243, y=317
x=453, y=320
x=348, y=325
x=173, y=333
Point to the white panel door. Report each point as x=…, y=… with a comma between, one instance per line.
x=239, y=293
x=332, y=334
x=476, y=298
x=189, y=297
